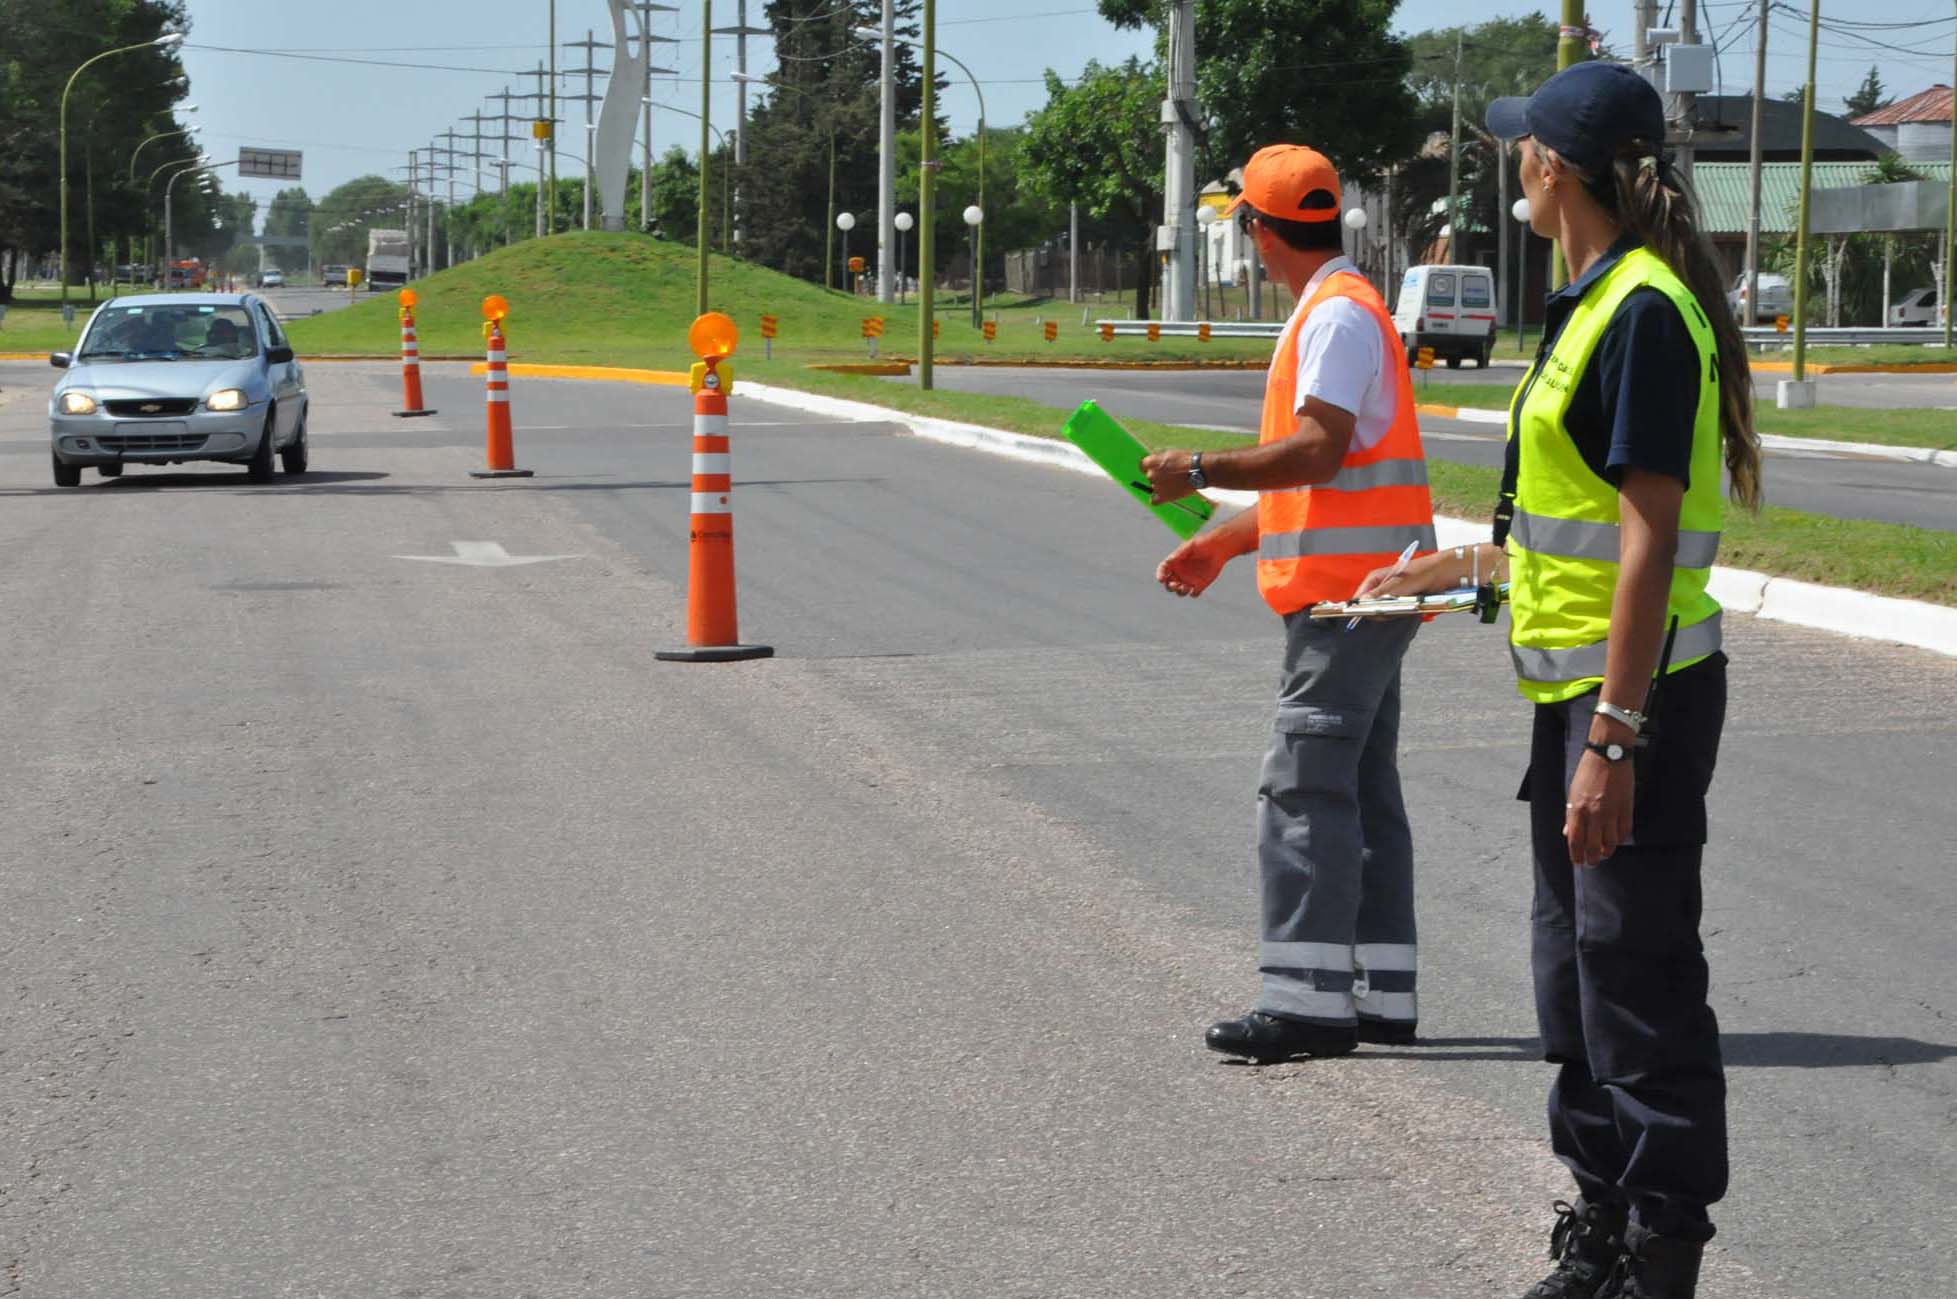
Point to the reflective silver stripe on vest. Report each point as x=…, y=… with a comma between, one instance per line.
x=1582, y=661
x=1381, y=473
x=1577, y=539
x=1390, y=540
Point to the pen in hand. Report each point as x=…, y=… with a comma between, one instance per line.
x=1399, y=567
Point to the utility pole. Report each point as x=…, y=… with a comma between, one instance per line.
x=1454, y=159
x=550, y=203
x=1644, y=16
x=1572, y=47
x=1753, y=172
x=926, y=196
x=1950, y=220
x=646, y=9
x=706, y=112
x=414, y=176
x=1502, y=222
x=887, y=158
x=590, y=46
x=448, y=231
x=1686, y=103
x=1800, y=394
x=1073, y=252
x=740, y=31
x=1176, y=240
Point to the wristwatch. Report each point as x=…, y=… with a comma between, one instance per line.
x=1610, y=752
x=1197, y=478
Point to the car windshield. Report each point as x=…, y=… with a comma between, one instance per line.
x=142, y=332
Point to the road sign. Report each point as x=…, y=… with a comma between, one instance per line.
x=1424, y=358
x=990, y=329
x=1107, y=331
x=937, y=328
x=1154, y=332
x=268, y=164
x=1781, y=323
x=1052, y=330
x=1203, y=332
x=856, y=265
x=769, y=324
x=540, y=129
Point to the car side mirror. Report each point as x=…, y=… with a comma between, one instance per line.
x=61, y=360
x=279, y=355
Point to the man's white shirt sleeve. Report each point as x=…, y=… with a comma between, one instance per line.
x=1341, y=361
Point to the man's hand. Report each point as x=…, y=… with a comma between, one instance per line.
x=1168, y=474
x=1191, y=567
x=1598, y=816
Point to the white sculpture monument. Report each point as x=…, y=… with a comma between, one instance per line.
x=618, y=115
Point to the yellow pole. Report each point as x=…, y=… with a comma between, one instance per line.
x=1572, y=48
x=926, y=195
x=1807, y=180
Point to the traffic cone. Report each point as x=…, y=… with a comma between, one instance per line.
x=712, y=627
x=410, y=369
x=501, y=449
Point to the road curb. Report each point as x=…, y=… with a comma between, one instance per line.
x=607, y=373
x=1845, y=612
x=1769, y=441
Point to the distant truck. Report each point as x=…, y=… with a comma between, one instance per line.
x=387, y=258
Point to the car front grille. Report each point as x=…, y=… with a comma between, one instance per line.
x=152, y=407
x=138, y=442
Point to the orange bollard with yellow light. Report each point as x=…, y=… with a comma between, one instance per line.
x=501, y=451
x=410, y=361
x=712, y=627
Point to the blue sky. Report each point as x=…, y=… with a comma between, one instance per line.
x=350, y=118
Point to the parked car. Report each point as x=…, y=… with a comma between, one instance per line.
x=1776, y=297
x=1917, y=307
x=1450, y=309
x=171, y=378
x=333, y=276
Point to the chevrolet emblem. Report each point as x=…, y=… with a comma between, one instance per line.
x=149, y=408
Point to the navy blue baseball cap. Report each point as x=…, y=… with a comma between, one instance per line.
x=1584, y=113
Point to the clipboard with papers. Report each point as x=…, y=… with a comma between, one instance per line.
x=1464, y=599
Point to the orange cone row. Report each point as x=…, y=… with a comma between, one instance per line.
x=410, y=368
x=501, y=441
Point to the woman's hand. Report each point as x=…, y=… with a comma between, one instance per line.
x=1421, y=576
x=1191, y=567
x=1598, y=816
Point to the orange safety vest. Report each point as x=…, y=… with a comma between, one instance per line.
x=1319, y=542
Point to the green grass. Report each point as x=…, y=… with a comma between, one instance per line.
x=622, y=299
x=33, y=322
x=626, y=300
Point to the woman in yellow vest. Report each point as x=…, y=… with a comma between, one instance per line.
x=1607, y=529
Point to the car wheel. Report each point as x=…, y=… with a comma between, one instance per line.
x=66, y=475
x=260, y=468
x=293, y=458
x=1454, y=362
x=1481, y=362
x=109, y=471
x=1413, y=349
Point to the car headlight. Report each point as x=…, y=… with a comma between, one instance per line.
x=76, y=402
x=227, y=399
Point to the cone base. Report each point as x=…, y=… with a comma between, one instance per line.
x=501, y=473
x=715, y=653
x=410, y=414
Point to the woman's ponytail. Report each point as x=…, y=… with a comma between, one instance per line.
x=1654, y=205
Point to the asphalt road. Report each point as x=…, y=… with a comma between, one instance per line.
x=1868, y=391
x=1849, y=487
x=381, y=926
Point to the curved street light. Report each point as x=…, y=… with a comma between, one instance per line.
x=162, y=42
x=903, y=221
x=169, y=241
x=192, y=129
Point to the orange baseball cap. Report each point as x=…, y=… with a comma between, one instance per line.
x=1281, y=178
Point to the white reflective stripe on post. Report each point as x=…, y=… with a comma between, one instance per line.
x=712, y=462
x=712, y=503
x=1386, y=956
x=1304, y=956
x=711, y=425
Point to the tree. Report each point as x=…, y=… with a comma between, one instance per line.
x=1328, y=73
x=340, y=221
x=1868, y=97
x=1098, y=143
x=826, y=88
x=289, y=212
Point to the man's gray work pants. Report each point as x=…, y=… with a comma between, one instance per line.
x=1334, y=852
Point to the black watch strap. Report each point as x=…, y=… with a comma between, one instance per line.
x=1610, y=751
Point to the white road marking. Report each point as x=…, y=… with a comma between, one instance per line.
x=484, y=554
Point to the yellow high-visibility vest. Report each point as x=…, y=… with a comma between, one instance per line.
x=1563, y=543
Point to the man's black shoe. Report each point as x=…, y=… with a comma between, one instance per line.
x=1270, y=1038
x=1587, y=1244
x=1386, y=1032
x=1655, y=1267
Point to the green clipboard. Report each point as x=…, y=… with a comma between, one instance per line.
x=1115, y=449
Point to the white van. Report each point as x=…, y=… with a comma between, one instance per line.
x=1917, y=307
x=1450, y=309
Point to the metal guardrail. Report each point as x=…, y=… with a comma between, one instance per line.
x=1847, y=337
x=1191, y=328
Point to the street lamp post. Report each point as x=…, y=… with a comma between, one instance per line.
x=169, y=187
x=192, y=129
x=162, y=42
x=1205, y=218
x=903, y=221
x=975, y=218
x=1522, y=211
x=927, y=171
x=845, y=222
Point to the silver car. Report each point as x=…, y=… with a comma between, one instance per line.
x=167, y=378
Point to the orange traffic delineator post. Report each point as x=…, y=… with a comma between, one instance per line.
x=410, y=361
x=712, y=627
x=501, y=450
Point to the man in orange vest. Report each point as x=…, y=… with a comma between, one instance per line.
x=1342, y=490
